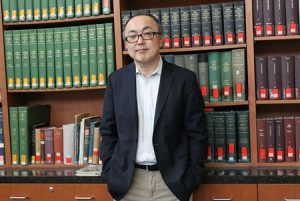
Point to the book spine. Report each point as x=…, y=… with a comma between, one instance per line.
x=17, y=58
x=217, y=24
x=268, y=14
x=6, y=12
x=97, y=139
x=78, y=8
x=261, y=75
x=66, y=43
x=110, y=50
x=41, y=34
x=274, y=77
x=228, y=20
x=49, y=145
x=214, y=74
x=191, y=63
x=203, y=75
x=297, y=131
x=226, y=76
x=239, y=21
x=206, y=25
x=33, y=48
x=106, y=7
x=45, y=9
x=101, y=54
x=195, y=12
x=175, y=27
x=220, y=143
x=9, y=59
x=61, y=7
x=270, y=140
x=243, y=136
x=50, y=58
x=210, y=119
x=75, y=51
x=185, y=26
x=84, y=45
x=166, y=25
x=292, y=17
x=25, y=58
x=279, y=139
x=261, y=140
x=70, y=8
x=297, y=76
x=239, y=74
x=21, y=10
x=13, y=5
x=37, y=145
x=58, y=58
x=14, y=135
x=155, y=12
x=289, y=137
x=29, y=10
x=24, y=135
x=96, y=5
x=230, y=126
x=86, y=7
x=2, y=145
x=288, y=77
x=58, y=145
x=93, y=55
x=258, y=17
x=52, y=10
x=279, y=17
x=37, y=10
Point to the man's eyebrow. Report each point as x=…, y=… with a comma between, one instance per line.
x=144, y=28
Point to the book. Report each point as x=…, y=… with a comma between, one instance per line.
x=239, y=21
x=33, y=48
x=67, y=59
x=226, y=76
x=217, y=23
x=58, y=58
x=9, y=59
x=288, y=77
x=195, y=14
x=206, y=25
x=261, y=78
x=42, y=60
x=230, y=137
x=274, y=77
x=166, y=25
x=279, y=17
x=89, y=170
x=214, y=75
x=68, y=143
x=292, y=17
x=220, y=140
x=175, y=27
x=25, y=59
x=58, y=145
x=203, y=75
x=2, y=145
x=261, y=130
x=17, y=57
x=185, y=26
x=243, y=136
x=239, y=74
x=110, y=50
x=92, y=38
x=268, y=14
x=279, y=139
x=297, y=76
x=6, y=12
x=289, y=138
x=258, y=17
x=101, y=54
x=270, y=137
x=228, y=21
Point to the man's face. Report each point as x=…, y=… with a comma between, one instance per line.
x=143, y=51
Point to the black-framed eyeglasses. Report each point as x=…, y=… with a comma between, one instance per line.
x=145, y=36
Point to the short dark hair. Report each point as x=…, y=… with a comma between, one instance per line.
x=160, y=29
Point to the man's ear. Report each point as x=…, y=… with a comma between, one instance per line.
x=161, y=40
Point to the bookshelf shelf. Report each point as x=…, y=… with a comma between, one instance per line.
x=56, y=89
x=271, y=38
x=277, y=102
x=43, y=166
x=226, y=104
x=60, y=22
x=199, y=49
x=227, y=165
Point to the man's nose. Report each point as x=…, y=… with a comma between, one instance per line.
x=140, y=40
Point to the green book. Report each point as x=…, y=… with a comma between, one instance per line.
x=52, y=10
x=59, y=73
x=45, y=9
x=29, y=116
x=25, y=58
x=110, y=48
x=41, y=33
x=86, y=7
x=239, y=74
x=92, y=55
x=203, y=75
x=243, y=136
x=13, y=5
x=61, y=6
x=75, y=49
x=6, y=12
x=66, y=43
x=214, y=74
x=220, y=141
x=84, y=46
x=78, y=8
x=210, y=119
x=101, y=54
x=226, y=76
x=106, y=7
x=50, y=58
x=14, y=135
x=70, y=8
x=18, y=58
x=9, y=59
x=231, y=136
x=34, y=71
x=37, y=10
x=29, y=10
x=96, y=6
x=21, y=9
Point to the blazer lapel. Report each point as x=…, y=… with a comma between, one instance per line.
x=164, y=88
x=131, y=83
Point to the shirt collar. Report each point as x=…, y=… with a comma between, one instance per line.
x=157, y=70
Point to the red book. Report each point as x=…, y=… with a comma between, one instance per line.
x=58, y=145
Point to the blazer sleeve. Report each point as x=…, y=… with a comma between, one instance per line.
x=196, y=129
x=108, y=129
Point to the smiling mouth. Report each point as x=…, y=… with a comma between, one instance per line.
x=141, y=50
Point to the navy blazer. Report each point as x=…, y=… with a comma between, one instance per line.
x=179, y=136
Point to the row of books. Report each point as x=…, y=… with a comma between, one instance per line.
x=211, y=24
x=277, y=77
x=77, y=56
x=38, y=172
x=276, y=17
x=228, y=136
x=2, y=151
x=33, y=141
x=36, y=10
x=278, y=139
x=221, y=75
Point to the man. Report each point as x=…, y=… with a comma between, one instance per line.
x=153, y=129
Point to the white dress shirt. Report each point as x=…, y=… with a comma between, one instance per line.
x=146, y=93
